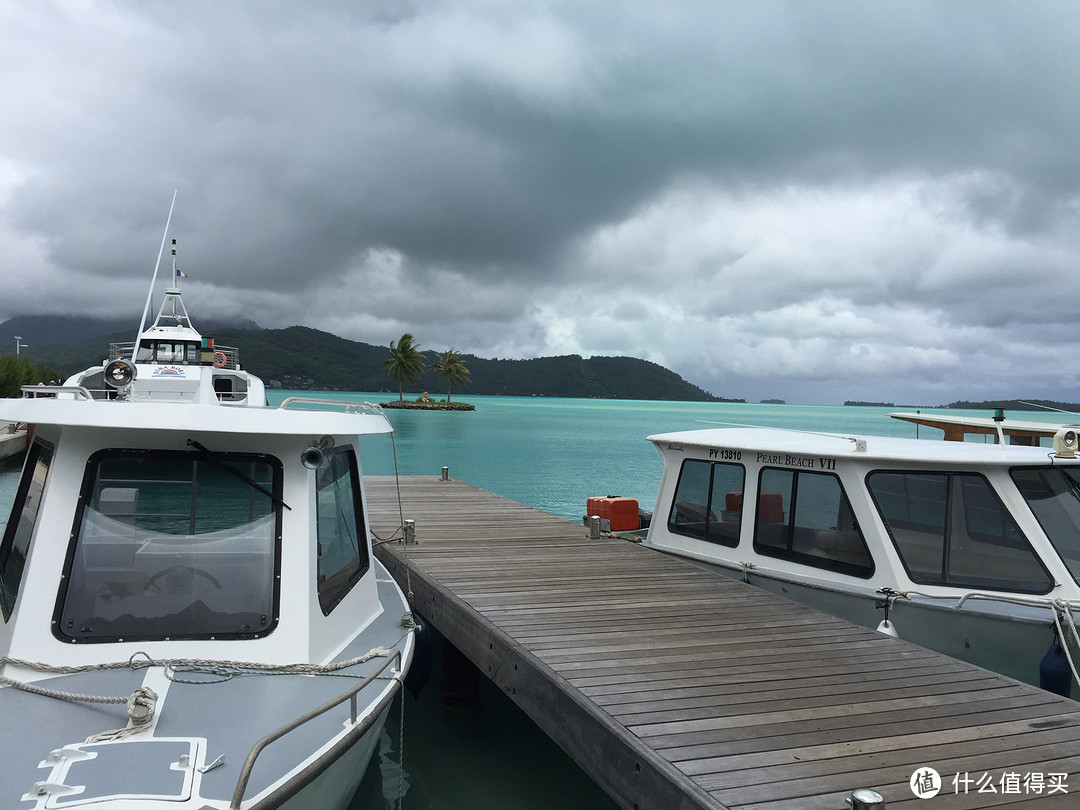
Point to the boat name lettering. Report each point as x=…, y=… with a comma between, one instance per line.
x=725, y=454
x=787, y=460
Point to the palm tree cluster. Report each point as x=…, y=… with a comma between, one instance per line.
x=407, y=362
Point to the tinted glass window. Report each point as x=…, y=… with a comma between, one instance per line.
x=343, y=556
x=806, y=517
x=952, y=529
x=20, y=525
x=173, y=545
x=1054, y=497
x=708, y=502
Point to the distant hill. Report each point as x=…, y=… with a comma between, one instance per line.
x=1019, y=405
x=51, y=330
x=303, y=358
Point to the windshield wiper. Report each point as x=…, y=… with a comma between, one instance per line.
x=221, y=465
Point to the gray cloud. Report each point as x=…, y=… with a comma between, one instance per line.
x=813, y=201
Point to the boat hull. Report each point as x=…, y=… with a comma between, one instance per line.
x=333, y=788
x=1002, y=643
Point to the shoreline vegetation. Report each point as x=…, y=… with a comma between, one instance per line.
x=429, y=405
x=985, y=405
x=305, y=359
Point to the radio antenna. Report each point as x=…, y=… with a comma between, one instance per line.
x=150, y=292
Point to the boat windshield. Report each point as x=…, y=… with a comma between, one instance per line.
x=168, y=351
x=952, y=529
x=169, y=545
x=1053, y=493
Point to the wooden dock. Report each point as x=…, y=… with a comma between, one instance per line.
x=674, y=687
x=12, y=440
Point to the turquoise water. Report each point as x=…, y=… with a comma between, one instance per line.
x=551, y=454
x=554, y=453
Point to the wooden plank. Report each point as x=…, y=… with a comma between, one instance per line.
x=675, y=687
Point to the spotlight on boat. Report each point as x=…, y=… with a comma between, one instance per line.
x=1066, y=440
x=119, y=373
x=313, y=457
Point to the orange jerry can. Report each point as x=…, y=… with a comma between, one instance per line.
x=596, y=507
x=623, y=514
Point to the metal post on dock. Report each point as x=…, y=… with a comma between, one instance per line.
x=445, y=474
x=594, y=527
x=865, y=799
x=410, y=532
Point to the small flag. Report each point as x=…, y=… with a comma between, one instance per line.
x=181, y=275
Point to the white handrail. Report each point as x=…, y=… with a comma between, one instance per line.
x=34, y=391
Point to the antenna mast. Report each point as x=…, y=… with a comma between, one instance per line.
x=150, y=293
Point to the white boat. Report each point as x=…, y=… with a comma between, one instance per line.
x=969, y=549
x=192, y=616
x=998, y=429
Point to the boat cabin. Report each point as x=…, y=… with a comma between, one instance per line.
x=846, y=523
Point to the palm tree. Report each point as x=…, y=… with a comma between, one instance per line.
x=450, y=366
x=406, y=362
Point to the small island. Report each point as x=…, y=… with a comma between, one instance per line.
x=406, y=362
x=425, y=403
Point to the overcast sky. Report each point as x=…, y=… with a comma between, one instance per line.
x=813, y=201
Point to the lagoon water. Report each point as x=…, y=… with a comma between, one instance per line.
x=552, y=454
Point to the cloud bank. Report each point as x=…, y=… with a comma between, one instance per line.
x=810, y=201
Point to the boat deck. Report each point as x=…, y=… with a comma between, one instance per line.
x=675, y=687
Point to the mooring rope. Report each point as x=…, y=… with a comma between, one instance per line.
x=1058, y=608
x=142, y=703
x=1061, y=606
x=141, y=706
x=401, y=520
x=141, y=660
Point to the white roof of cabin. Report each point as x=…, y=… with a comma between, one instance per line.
x=188, y=416
x=878, y=448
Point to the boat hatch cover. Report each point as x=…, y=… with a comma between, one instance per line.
x=146, y=769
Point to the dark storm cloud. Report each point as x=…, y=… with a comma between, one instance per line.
x=853, y=195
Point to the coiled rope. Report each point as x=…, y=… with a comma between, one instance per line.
x=142, y=703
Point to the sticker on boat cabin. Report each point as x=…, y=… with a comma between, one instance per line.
x=175, y=372
x=801, y=462
x=725, y=454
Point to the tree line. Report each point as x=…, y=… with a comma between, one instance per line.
x=15, y=372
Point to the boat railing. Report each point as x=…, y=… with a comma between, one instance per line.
x=224, y=356
x=118, y=351
x=56, y=392
x=357, y=729
x=330, y=404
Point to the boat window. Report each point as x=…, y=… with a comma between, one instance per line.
x=343, y=551
x=166, y=351
x=20, y=526
x=707, y=489
x=1053, y=493
x=806, y=517
x=171, y=545
x=952, y=529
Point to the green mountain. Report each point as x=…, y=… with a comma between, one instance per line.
x=300, y=357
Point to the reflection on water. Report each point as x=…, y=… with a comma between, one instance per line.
x=468, y=746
